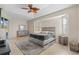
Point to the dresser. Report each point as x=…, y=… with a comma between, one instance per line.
x=21, y=33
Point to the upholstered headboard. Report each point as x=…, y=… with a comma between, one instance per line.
x=52, y=29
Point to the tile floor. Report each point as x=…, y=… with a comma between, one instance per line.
x=55, y=49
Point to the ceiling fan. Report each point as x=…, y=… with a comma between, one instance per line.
x=30, y=8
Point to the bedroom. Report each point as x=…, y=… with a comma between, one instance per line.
x=61, y=23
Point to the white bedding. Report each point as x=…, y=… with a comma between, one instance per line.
x=42, y=43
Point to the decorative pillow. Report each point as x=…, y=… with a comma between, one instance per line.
x=43, y=32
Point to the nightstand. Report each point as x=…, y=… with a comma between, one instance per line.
x=63, y=40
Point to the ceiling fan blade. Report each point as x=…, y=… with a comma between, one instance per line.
x=34, y=8
x=25, y=8
x=29, y=11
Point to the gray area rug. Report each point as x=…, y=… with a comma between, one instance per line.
x=29, y=48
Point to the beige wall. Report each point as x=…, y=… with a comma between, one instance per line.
x=38, y=24
x=77, y=21
x=14, y=22
x=73, y=20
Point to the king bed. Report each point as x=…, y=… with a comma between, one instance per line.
x=43, y=38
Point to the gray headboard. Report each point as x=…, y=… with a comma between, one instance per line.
x=52, y=29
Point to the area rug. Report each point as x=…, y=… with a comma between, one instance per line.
x=29, y=48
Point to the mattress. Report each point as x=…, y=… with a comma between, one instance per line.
x=41, y=39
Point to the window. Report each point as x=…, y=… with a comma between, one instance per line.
x=22, y=27
x=64, y=25
x=64, y=22
x=3, y=23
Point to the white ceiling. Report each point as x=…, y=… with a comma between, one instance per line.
x=44, y=9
